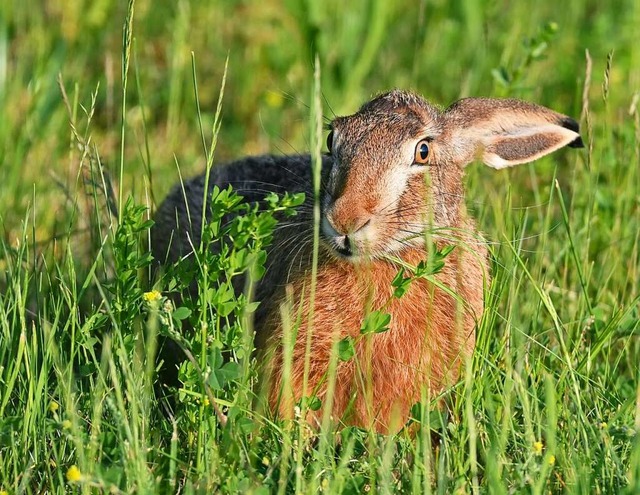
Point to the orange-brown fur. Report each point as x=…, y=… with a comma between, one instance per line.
x=430, y=336
x=431, y=331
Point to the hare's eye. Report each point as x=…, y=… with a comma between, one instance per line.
x=330, y=141
x=422, y=152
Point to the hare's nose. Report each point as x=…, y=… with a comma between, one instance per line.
x=343, y=224
x=342, y=240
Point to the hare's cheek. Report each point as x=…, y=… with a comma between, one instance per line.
x=367, y=238
x=414, y=201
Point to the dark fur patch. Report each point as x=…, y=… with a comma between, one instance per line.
x=514, y=149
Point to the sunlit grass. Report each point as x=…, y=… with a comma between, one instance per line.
x=551, y=400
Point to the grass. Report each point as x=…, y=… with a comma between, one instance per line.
x=551, y=402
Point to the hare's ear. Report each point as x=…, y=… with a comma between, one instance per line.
x=506, y=132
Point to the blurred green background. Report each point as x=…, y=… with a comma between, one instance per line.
x=444, y=50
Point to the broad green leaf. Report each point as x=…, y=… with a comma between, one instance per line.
x=346, y=349
x=375, y=322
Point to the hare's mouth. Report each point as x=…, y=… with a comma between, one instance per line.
x=341, y=245
x=345, y=246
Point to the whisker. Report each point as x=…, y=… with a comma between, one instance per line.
x=284, y=225
x=264, y=183
x=292, y=263
x=326, y=102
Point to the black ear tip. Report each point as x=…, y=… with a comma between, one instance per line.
x=576, y=143
x=569, y=123
x=572, y=125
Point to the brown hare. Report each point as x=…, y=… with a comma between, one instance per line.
x=392, y=195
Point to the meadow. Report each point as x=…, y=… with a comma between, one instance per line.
x=105, y=105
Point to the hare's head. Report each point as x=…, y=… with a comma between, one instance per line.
x=398, y=164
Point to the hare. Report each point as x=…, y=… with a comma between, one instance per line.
x=392, y=195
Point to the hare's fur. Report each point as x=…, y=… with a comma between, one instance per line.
x=379, y=205
x=430, y=335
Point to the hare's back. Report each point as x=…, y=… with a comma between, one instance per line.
x=179, y=217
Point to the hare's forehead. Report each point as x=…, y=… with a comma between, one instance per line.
x=386, y=133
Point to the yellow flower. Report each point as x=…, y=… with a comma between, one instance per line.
x=74, y=474
x=53, y=406
x=552, y=460
x=66, y=424
x=3, y=492
x=265, y=461
x=537, y=447
x=603, y=425
x=274, y=99
x=152, y=296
